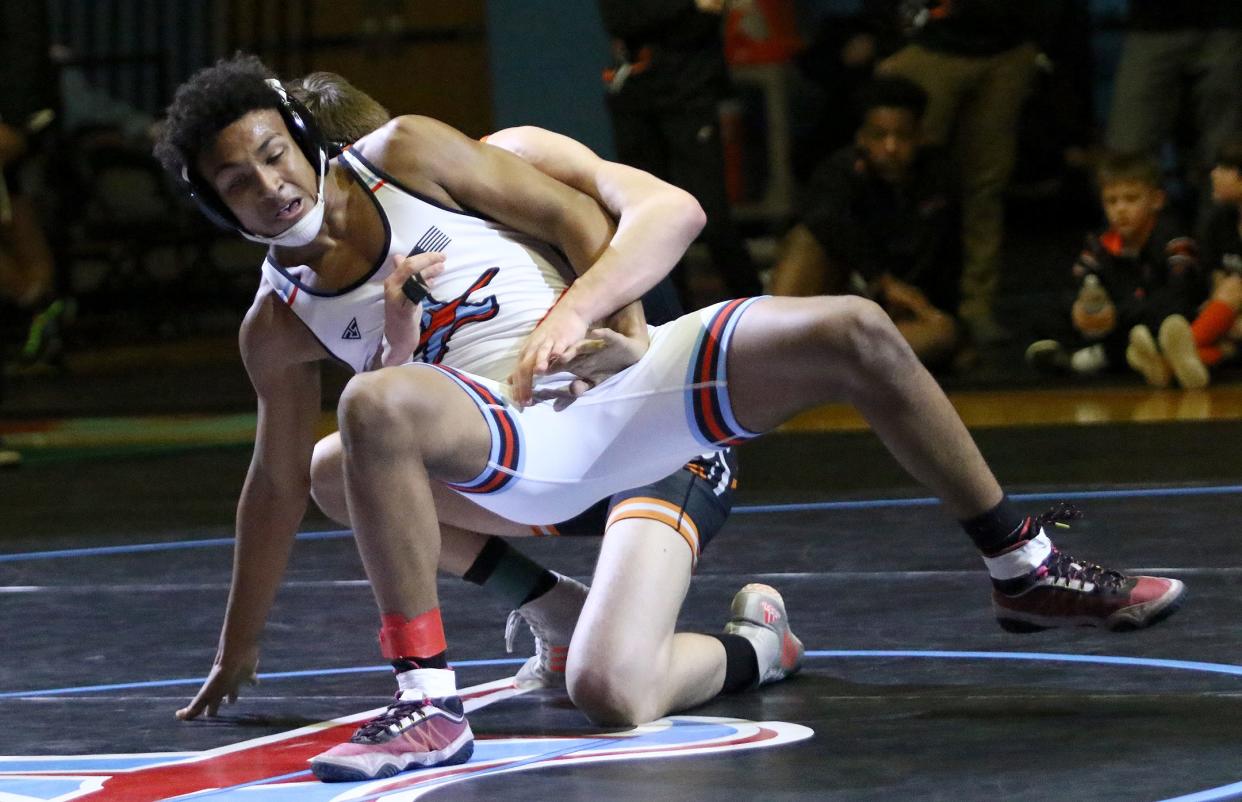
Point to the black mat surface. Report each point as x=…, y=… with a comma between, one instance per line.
x=909, y=724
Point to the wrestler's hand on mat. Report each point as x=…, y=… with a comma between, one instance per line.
x=553, y=342
x=403, y=317
x=222, y=684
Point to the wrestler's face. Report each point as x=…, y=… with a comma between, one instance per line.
x=260, y=173
x=1226, y=184
x=887, y=139
x=1131, y=206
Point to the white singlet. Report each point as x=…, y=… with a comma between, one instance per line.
x=496, y=287
x=545, y=465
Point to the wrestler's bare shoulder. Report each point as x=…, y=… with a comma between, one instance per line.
x=417, y=151
x=271, y=335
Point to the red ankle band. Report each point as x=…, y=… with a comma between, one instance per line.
x=420, y=636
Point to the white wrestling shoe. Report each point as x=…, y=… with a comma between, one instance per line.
x=551, y=619
x=759, y=616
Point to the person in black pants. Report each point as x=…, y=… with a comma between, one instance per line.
x=663, y=98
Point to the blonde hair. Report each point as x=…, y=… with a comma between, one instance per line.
x=342, y=111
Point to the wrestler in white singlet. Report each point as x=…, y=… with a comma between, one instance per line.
x=545, y=466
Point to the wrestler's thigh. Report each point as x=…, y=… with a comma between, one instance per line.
x=639, y=585
x=789, y=353
x=451, y=507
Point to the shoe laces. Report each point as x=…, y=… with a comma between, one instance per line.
x=1062, y=566
x=392, y=720
x=1059, y=515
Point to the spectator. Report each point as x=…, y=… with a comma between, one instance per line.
x=976, y=59
x=1174, y=53
x=663, y=97
x=27, y=106
x=1188, y=350
x=1129, y=279
x=880, y=221
x=838, y=62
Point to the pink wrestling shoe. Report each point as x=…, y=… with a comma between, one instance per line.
x=1063, y=591
x=414, y=732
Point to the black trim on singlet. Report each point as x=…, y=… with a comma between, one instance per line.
x=379, y=262
x=389, y=179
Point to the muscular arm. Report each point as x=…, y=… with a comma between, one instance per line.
x=279, y=356
x=440, y=161
x=656, y=221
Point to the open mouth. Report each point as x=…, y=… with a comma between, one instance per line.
x=290, y=210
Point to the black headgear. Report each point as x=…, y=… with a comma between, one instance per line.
x=305, y=133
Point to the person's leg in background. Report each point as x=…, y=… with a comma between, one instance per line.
x=28, y=279
x=986, y=149
x=696, y=164
x=1217, y=98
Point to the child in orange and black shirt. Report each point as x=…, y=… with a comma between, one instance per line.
x=1129, y=279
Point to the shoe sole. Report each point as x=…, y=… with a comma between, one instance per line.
x=1144, y=357
x=337, y=773
x=1177, y=342
x=1127, y=620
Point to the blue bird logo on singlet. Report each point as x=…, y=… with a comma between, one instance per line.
x=442, y=319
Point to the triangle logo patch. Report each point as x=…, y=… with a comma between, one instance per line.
x=351, y=331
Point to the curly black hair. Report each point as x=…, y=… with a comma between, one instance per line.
x=211, y=100
x=892, y=91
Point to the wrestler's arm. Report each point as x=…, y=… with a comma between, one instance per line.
x=281, y=358
x=435, y=158
x=656, y=221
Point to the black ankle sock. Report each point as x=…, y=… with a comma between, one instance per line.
x=508, y=573
x=413, y=663
x=997, y=529
x=741, y=663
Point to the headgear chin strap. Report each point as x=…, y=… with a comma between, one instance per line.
x=303, y=232
x=310, y=141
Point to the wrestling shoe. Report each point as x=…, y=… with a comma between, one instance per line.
x=415, y=731
x=1063, y=591
x=758, y=615
x=551, y=619
x=1177, y=342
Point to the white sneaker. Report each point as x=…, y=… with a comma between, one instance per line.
x=1143, y=355
x=759, y=616
x=1089, y=360
x=1177, y=342
x=551, y=619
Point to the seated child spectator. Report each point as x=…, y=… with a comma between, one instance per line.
x=881, y=221
x=1187, y=350
x=1129, y=279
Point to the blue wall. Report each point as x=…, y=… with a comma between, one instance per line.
x=546, y=57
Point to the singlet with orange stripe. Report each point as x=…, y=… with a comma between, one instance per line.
x=496, y=287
